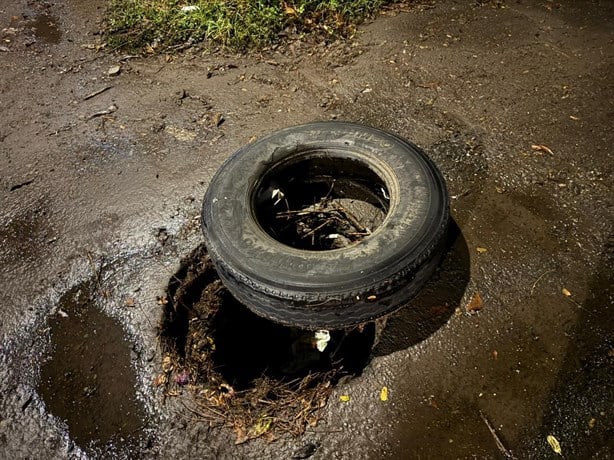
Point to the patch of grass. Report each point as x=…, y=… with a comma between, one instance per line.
x=240, y=24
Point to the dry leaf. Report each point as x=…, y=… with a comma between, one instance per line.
x=162, y=300
x=542, y=148
x=481, y=250
x=591, y=423
x=344, y=398
x=167, y=364
x=262, y=426
x=383, y=394
x=290, y=11
x=565, y=292
x=554, y=443
x=217, y=119
x=476, y=303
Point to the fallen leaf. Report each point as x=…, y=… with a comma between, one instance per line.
x=114, y=70
x=542, y=148
x=476, y=303
x=554, y=443
x=481, y=250
x=160, y=380
x=591, y=423
x=344, y=398
x=217, y=119
x=383, y=394
x=262, y=426
x=565, y=292
x=290, y=11
x=167, y=364
x=162, y=300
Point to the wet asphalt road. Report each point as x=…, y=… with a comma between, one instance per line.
x=513, y=101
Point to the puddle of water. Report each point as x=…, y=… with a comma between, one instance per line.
x=46, y=29
x=89, y=382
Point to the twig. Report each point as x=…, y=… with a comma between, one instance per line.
x=507, y=453
x=461, y=194
x=101, y=113
x=97, y=92
x=539, y=279
x=317, y=228
x=579, y=305
x=332, y=185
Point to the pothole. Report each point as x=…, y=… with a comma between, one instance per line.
x=244, y=372
x=88, y=381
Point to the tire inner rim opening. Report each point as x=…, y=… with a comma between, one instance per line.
x=320, y=201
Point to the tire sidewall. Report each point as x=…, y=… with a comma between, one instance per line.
x=239, y=246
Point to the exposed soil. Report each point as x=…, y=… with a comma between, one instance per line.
x=513, y=100
x=246, y=373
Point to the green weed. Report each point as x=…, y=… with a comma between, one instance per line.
x=239, y=24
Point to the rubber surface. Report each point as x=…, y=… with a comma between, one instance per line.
x=342, y=287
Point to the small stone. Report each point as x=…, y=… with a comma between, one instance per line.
x=113, y=71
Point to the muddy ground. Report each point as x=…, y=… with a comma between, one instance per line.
x=101, y=195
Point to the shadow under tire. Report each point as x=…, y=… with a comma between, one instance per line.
x=323, y=287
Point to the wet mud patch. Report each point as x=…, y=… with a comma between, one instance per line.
x=88, y=381
x=45, y=28
x=244, y=372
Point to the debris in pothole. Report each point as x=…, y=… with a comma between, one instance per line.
x=239, y=371
x=330, y=223
x=322, y=338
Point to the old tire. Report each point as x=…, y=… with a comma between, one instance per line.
x=326, y=289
